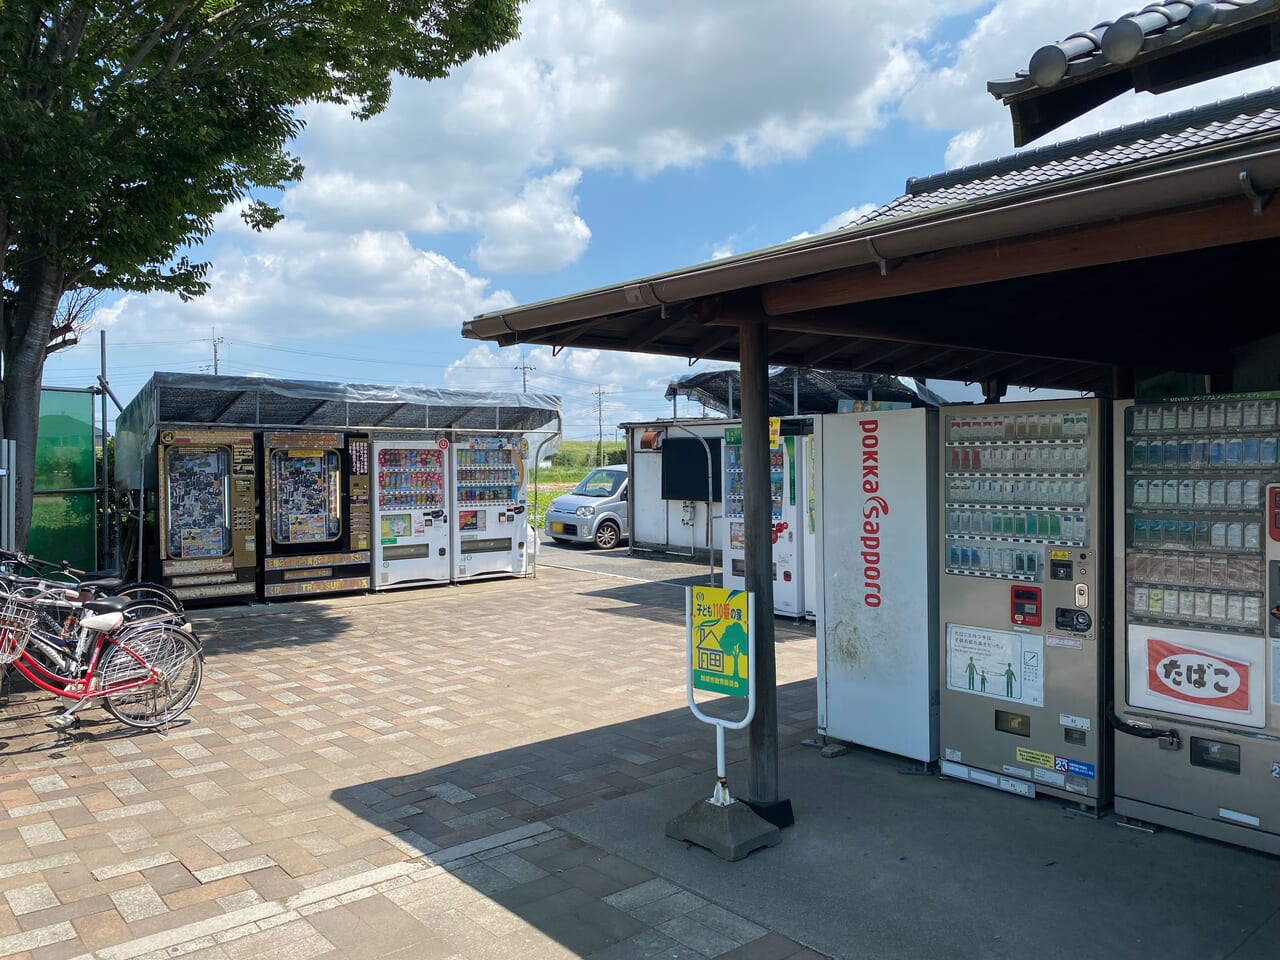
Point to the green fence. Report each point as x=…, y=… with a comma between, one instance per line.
x=64, y=511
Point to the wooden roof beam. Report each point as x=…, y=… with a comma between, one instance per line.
x=1153, y=235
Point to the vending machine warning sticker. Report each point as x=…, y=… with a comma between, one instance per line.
x=996, y=664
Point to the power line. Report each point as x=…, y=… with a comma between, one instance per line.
x=598, y=393
x=524, y=368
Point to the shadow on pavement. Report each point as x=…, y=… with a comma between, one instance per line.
x=463, y=814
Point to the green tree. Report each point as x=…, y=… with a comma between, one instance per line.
x=126, y=127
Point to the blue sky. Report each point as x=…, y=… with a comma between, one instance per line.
x=614, y=139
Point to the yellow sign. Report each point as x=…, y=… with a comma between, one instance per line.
x=775, y=431
x=721, y=647
x=1036, y=758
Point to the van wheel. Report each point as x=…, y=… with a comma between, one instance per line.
x=607, y=535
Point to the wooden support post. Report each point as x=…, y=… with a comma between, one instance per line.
x=762, y=734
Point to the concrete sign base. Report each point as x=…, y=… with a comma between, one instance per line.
x=730, y=832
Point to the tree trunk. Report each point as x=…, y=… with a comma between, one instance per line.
x=37, y=295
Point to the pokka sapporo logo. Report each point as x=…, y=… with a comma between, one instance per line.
x=874, y=508
x=1197, y=677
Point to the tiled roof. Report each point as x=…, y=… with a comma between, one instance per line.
x=1241, y=118
x=1151, y=31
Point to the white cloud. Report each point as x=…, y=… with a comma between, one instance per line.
x=634, y=85
x=839, y=220
x=538, y=232
x=294, y=282
x=632, y=386
x=954, y=97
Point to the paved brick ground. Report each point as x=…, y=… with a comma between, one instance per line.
x=370, y=776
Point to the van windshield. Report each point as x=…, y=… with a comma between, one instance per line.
x=600, y=483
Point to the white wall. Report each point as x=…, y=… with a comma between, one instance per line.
x=667, y=525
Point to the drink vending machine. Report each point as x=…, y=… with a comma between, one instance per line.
x=208, y=513
x=875, y=481
x=1022, y=644
x=492, y=534
x=317, y=517
x=789, y=503
x=412, y=507
x=1197, y=658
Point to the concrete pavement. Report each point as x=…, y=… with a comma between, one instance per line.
x=372, y=777
x=484, y=771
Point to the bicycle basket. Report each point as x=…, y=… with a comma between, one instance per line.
x=16, y=619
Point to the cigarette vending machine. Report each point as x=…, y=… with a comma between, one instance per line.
x=877, y=599
x=1197, y=654
x=317, y=517
x=1022, y=643
x=788, y=512
x=491, y=533
x=411, y=511
x=208, y=513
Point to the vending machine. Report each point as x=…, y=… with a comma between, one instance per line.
x=411, y=511
x=788, y=506
x=1197, y=653
x=1023, y=562
x=875, y=481
x=208, y=513
x=317, y=517
x=492, y=537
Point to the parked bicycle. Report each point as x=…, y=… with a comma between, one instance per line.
x=146, y=671
x=99, y=582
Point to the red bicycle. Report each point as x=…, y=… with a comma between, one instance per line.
x=146, y=672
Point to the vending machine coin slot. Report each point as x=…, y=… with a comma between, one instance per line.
x=1024, y=606
x=1076, y=621
x=1082, y=595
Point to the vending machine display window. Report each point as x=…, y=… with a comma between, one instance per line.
x=198, y=502
x=410, y=478
x=1015, y=484
x=307, y=505
x=1195, y=476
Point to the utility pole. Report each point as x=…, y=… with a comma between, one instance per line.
x=216, y=341
x=524, y=368
x=598, y=393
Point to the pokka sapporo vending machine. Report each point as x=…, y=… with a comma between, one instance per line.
x=1197, y=653
x=491, y=533
x=788, y=506
x=411, y=513
x=877, y=600
x=316, y=536
x=208, y=513
x=1024, y=552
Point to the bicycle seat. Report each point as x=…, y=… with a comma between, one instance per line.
x=106, y=605
x=106, y=583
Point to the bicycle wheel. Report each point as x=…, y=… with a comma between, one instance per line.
x=173, y=655
x=153, y=592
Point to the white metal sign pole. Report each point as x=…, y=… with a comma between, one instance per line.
x=720, y=795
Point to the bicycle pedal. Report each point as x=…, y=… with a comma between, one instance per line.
x=63, y=722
